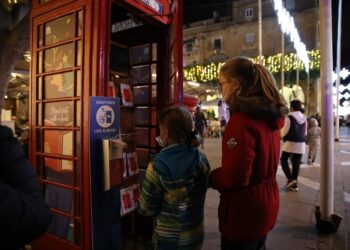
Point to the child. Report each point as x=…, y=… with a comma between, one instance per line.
x=313, y=139
x=175, y=184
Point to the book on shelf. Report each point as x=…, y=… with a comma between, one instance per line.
x=113, y=162
x=126, y=94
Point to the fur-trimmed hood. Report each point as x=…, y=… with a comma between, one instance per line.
x=257, y=107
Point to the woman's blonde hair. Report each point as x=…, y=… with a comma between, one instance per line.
x=254, y=79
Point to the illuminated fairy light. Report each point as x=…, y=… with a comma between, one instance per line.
x=210, y=72
x=287, y=25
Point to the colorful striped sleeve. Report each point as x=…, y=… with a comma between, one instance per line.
x=151, y=192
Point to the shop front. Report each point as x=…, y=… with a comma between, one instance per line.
x=126, y=54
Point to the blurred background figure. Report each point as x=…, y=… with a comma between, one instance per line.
x=200, y=123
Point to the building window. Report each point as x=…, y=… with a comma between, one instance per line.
x=248, y=13
x=249, y=38
x=217, y=44
x=188, y=47
x=289, y=4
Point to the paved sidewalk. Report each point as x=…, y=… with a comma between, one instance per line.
x=295, y=228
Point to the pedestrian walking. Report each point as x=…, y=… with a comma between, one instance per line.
x=249, y=194
x=222, y=125
x=313, y=139
x=200, y=124
x=293, y=134
x=175, y=184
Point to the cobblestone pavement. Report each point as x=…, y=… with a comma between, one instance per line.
x=295, y=228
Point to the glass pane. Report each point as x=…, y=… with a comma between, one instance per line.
x=141, y=95
x=59, y=114
x=78, y=114
x=140, y=74
x=39, y=114
x=154, y=94
x=154, y=52
x=38, y=140
x=77, y=144
x=154, y=116
x=142, y=137
x=40, y=62
x=39, y=87
x=59, y=29
x=141, y=116
x=77, y=235
x=60, y=226
x=54, y=171
x=60, y=57
x=142, y=157
x=38, y=166
x=59, y=198
x=80, y=23
x=78, y=82
x=77, y=175
x=40, y=36
x=59, y=142
x=153, y=137
x=79, y=54
x=59, y=85
x=140, y=54
x=154, y=72
x=171, y=88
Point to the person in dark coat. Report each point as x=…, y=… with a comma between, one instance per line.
x=246, y=180
x=24, y=215
x=200, y=123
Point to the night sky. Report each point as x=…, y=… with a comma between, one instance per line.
x=196, y=10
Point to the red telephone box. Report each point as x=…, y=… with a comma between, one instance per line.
x=84, y=48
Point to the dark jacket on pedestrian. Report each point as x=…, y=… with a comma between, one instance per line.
x=24, y=215
x=246, y=181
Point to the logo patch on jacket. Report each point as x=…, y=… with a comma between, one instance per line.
x=231, y=143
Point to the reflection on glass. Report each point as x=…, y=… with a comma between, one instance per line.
x=38, y=140
x=40, y=35
x=44, y=1
x=39, y=165
x=40, y=62
x=154, y=116
x=77, y=176
x=142, y=137
x=59, y=85
x=79, y=54
x=58, y=114
x=80, y=23
x=39, y=87
x=60, y=57
x=172, y=64
x=154, y=52
x=140, y=74
x=140, y=54
x=78, y=113
x=60, y=199
x=39, y=115
x=142, y=157
x=172, y=88
x=59, y=142
x=141, y=116
x=78, y=82
x=77, y=235
x=154, y=94
x=59, y=29
x=141, y=95
x=153, y=137
x=154, y=72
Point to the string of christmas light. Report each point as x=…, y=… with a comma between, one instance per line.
x=210, y=72
x=287, y=26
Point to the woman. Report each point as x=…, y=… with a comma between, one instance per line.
x=176, y=183
x=246, y=180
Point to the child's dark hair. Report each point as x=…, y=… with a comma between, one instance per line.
x=178, y=121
